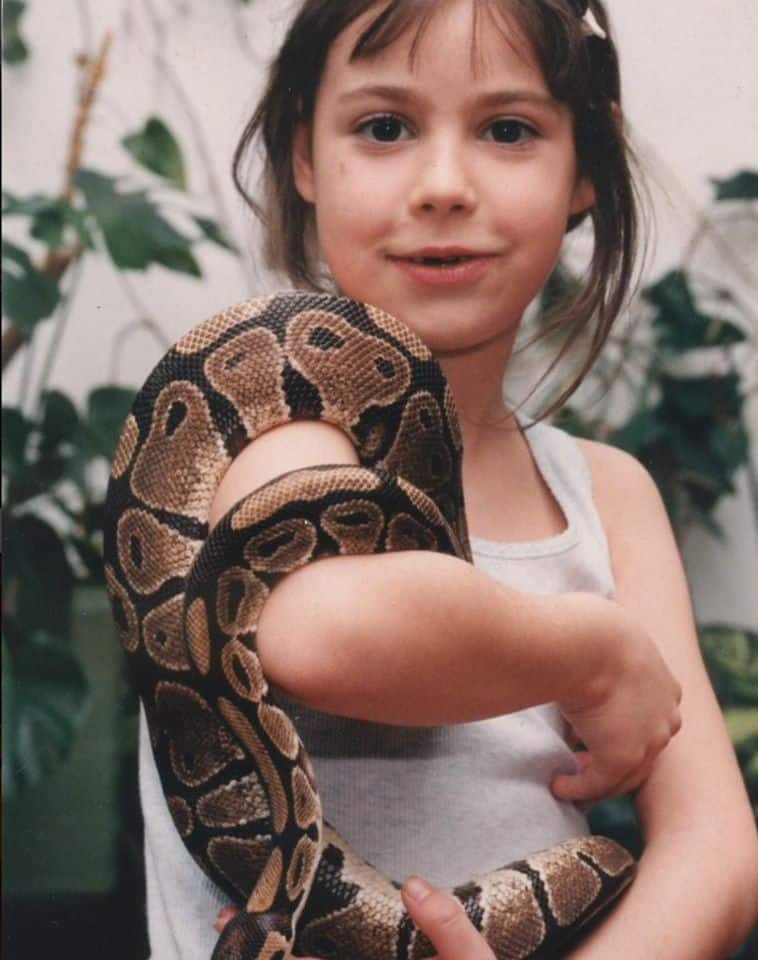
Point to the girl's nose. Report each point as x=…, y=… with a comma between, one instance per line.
x=442, y=182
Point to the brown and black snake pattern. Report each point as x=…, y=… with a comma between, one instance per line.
x=236, y=777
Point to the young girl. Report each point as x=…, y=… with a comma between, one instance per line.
x=428, y=158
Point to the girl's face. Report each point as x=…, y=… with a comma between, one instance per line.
x=457, y=154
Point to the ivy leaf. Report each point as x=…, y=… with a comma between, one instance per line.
x=16, y=432
x=49, y=698
x=107, y=408
x=641, y=431
x=136, y=234
x=731, y=656
x=678, y=321
x=49, y=217
x=59, y=420
x=38, y=574
x=212, y=231
x=29, y=296
x=156, y=148
x=742, y=186
x=14, y=48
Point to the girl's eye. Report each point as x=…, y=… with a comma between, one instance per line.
x=510, y=131
x=385, y=129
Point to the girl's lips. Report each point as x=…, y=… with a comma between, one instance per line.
x=466, y=271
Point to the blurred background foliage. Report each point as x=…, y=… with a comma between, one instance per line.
x=683, y=415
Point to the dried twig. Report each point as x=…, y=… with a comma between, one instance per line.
x=58, y=259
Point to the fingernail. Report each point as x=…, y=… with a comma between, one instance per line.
x=416, y=888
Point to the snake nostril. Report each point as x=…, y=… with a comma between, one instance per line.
x=161, y=637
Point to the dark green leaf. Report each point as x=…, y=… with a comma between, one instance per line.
x=16, y=431
x=679, y=323
x=90, y=557
x=49, y=697
x=14, y=48
x=180, y=260
x=29, y=295
x=30, y=206
x=107, y=408
x=642, y=430
x=156, y=148
x=731, y=656
x=59, y=419
x=41, y=580
x=136, y=234
x=49, y=216
x=742, y=186
x=212, y=232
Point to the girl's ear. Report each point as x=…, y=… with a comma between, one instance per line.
x=583, y=198
x=302, y=162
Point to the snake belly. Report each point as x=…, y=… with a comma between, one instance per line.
x=236, y=777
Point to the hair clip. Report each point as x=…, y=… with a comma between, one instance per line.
x=590, y=26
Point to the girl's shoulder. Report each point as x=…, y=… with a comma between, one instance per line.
x=622, y=488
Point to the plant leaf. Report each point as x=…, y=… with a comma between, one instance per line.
x=29, y=296
x=107, y=408
x=14, y=48
x=212, y=232
x=679, y=323
x=59, y=419
x=731, y=656
x=16, y=432
x=156, y=148
x=742, y=186
x=37, y=576
x=49, y=698
x=136, y=234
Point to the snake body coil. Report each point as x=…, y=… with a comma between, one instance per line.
x=236, y=777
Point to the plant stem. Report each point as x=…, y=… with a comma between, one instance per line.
x=64, y=311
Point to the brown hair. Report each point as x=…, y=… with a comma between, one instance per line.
x=581, y=71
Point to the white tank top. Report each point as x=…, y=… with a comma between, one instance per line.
x=450, y=803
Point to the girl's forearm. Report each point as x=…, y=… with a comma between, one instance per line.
x=422, y=638
x=689, y=901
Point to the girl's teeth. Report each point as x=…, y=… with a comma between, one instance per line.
x=439, y=261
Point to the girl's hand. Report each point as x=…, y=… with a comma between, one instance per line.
x=438, y=914
x=623, y=719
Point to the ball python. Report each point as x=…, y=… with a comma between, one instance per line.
x=237, y=779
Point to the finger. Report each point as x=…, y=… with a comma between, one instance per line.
x=225, y=914
x=588, y=783
x=444, y=921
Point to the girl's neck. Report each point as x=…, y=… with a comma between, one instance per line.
x=476, y=380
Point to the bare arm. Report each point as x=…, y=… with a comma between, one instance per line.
x=422, y=638
x=454, y=644
x=695, y=896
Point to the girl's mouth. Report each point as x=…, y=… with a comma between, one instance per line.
x=444, y=271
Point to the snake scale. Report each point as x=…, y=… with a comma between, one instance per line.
x=236, y=777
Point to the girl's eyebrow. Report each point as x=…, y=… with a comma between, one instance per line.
x=497, y=98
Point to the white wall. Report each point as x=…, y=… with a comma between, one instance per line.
x=691, y=87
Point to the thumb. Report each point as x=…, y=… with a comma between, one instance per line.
x=588, y=783
x=442, y=918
